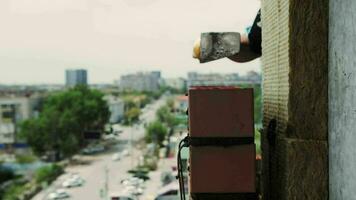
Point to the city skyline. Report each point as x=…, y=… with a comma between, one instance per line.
x=117, y=80
x=40, y=39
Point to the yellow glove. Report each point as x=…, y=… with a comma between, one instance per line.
x=196, y=49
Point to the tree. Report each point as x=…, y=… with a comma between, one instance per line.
x=165, y=116
x=132, y=115
x=156, y=133
x=65, y=117
x=170, y=104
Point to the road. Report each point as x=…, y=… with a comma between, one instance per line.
x=94, y=172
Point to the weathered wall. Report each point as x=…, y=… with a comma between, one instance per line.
x=342, y=99
x=295, y=68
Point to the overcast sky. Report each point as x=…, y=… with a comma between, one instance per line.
x=39, y=39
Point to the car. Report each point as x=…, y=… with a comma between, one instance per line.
x=134, y=190
x=168, y=192
x=109, y=137
x=116, y=157
x=133, y=181
x=74, y=181
x=121, y=196
x=125, y=153
x=93, y=150
x=58, y=194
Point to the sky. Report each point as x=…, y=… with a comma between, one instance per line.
x=39, y=39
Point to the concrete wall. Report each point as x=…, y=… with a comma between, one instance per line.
x=295, y=86
x=342, y=99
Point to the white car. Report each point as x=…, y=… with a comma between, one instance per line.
x=133, y=190
x=74, y=181
x=133, y=181
x=125, y=153
x=58, y=194
x=116, y=157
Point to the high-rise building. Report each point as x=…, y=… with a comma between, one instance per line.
x=76, y=77
x=141, y=82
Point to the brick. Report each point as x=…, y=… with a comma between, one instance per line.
x=221, y=112
x=222, y=170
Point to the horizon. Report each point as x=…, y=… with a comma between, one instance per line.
x=113, y=82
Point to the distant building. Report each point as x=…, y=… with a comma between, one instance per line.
x=176, y=83
x=14, y=110
x=76, y=77
x=156, y=74
x=196, y=79
x=140, y=82
x=116, y=107
x=181, y=103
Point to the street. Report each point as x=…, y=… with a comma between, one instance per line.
x=96, y=167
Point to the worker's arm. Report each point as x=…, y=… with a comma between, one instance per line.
x=250, y=47
x=246, y=54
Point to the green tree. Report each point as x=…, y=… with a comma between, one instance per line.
x=165, y=115
x=65, y=117
x=170, y=103
x=156, y=133
x=132, y=115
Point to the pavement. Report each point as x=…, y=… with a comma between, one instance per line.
x=101, y=171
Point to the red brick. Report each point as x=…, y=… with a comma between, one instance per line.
x=221, y=112
x=222, y=170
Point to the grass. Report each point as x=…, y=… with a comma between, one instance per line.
x=48, y=173
x=14, y=191
x=24, y=159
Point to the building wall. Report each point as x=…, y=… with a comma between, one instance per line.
x=14, y=110
x=116, y=108
x=295, y=95
x=342, y=95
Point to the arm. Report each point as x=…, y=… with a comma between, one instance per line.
x=250, y=47
x=245, y=54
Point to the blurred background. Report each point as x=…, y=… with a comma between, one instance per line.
x=92, y=92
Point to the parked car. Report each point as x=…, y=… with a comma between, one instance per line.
x=133, y=181
x=121, y=196
x=93, y=150
x=125, y=153
x=116, y=157
x=134, y=190
x=58, y=194
x=73, y=182
x=168, y=192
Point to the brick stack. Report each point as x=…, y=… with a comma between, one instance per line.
x=218, y=172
